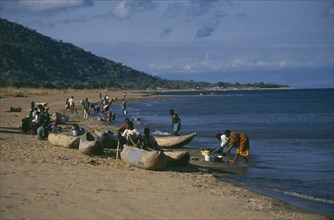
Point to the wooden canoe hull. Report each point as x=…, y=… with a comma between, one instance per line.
x=150, y=160
x=177, y=158
x=174, y=141
x=64, y=140
x=90, y=145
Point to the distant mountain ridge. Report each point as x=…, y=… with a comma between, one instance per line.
x=29, y=58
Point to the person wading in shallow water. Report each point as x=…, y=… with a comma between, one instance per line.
x=240, y=141
x=176, y=122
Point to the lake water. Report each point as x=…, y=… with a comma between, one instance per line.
x=291, y=137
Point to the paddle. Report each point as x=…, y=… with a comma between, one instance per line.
x=117, y=150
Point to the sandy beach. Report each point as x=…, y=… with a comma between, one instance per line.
x=43, y=181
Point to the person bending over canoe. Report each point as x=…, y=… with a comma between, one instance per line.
x=131, y=135
x=176, y=122
x=240, y=141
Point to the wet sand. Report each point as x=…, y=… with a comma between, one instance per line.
x=42, y=181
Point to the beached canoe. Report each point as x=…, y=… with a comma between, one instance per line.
x=177, y=158
x=64, y=140
x=174, y=141
x=108, y=139
x=150, y=160
x=90, y=145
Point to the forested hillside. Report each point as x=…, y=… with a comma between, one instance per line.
x=30, y=59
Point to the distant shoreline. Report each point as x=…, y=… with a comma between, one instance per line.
x=135, y=93
x=23, y=92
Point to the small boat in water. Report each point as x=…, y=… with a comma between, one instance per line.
x=90, y=145
x=150, y=160
x=174, y=141
x=64, y=140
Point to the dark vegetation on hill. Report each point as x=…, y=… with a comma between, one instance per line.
x=30, y=59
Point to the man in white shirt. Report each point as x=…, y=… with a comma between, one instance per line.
x=224, y=142
x=131, y=135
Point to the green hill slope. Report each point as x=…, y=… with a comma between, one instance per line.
x=28, y=58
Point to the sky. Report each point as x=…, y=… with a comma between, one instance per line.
x=272, y=41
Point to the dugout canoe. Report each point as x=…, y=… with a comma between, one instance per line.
x=64, y=140
x=108, y=139
x=150, y=160
x=174, y=141
x=177, y=158
x=90, y=145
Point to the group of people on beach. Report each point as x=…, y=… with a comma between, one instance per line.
x=128, y=135
x=103, y=108
x=39, y=122
x=228, y=139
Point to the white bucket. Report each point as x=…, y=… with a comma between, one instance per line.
x=75, y=133
x=207, y=157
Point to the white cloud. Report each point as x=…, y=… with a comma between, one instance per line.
x=215, y=64
x=187, y=67
x=48, y=5
x=125, y=9
x=236, y=64
x=243, y=64
x=121, y=11
x=159, y=67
